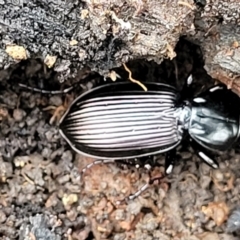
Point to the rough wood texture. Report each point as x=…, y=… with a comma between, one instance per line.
x=218, y=33
x=99, y=34
x=222, y=56
x=102, y=34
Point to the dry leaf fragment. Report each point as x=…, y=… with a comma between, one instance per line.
x=113, y=75
x=73, y=42
x=235, y=44
x=84, y=13
x=16, y=52
x=50, y=60
x=3, y=113
x=224, y=182
x=69, y=199
x=218, y=211
x=170, y=52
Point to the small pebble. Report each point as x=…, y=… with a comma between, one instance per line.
x=18, y=114
x=119, y=236
x=120, y=214
x=233, y=222
x=67, y=156
x=3, y=217
x=55, y=100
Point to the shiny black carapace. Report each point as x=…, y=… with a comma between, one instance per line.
x=121, y=121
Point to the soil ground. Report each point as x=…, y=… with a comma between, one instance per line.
x=43, y=197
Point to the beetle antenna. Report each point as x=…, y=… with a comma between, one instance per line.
x=204, y=154
x=54, y=92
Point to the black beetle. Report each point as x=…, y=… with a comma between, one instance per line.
x=121, y=121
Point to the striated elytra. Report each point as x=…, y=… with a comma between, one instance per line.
x=121, y=121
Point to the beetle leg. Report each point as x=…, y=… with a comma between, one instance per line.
x=144, y=163
x=147, y=162
x=140, y=162
x=134, y=195
x=96, y=162
x=204, y=155
x=141, y=190
x=54, y=92
x=210, y=161
x=170, y=160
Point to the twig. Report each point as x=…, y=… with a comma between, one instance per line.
x=134, y=80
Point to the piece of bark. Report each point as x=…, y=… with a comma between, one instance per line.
x=218, y=33
x=100, y=34
x=222, y=55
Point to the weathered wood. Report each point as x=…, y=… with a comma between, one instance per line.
x=100, y=34
x=103, y=34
